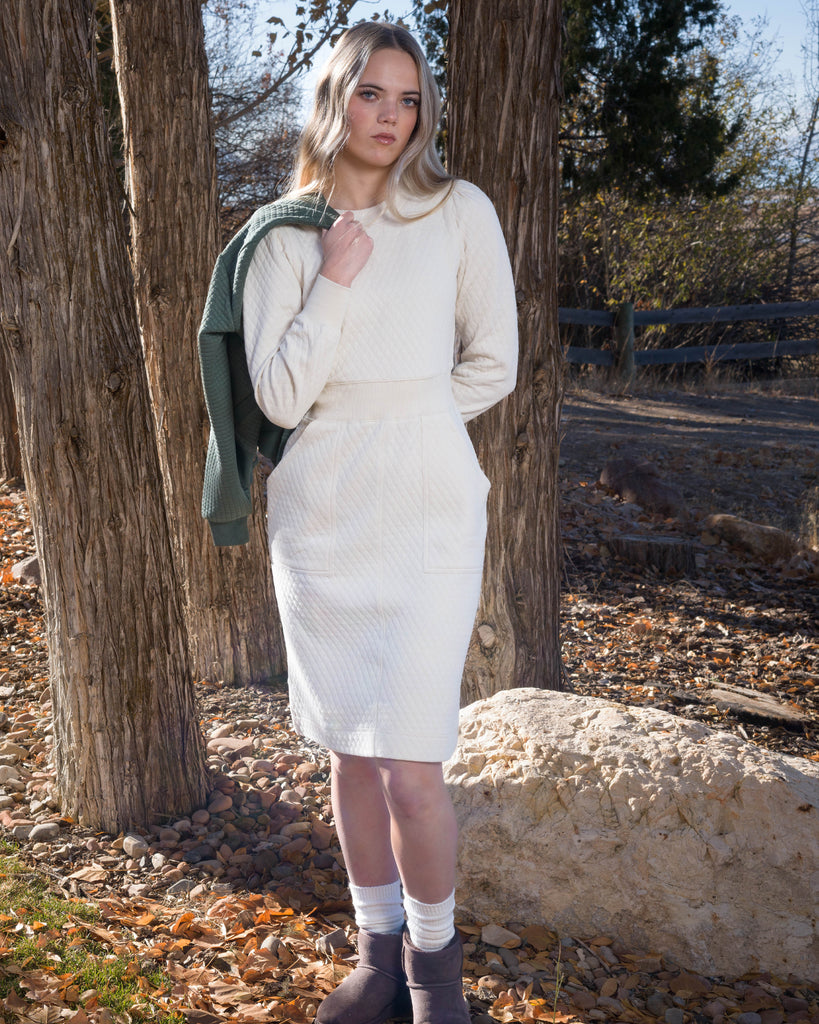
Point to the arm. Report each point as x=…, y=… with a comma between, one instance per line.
x=290, y=346
x=486, y=324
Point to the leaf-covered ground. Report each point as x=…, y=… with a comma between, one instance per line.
x=240, y=912
x=644, y=637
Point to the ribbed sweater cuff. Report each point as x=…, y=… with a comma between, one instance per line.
x=327, y=301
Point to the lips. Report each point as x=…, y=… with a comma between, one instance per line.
x=384, y=137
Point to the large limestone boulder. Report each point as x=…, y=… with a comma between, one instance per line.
x=590, y=817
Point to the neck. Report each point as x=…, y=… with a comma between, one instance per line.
x=357, y=188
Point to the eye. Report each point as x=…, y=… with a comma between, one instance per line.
x=367, y=94
x=411, y=101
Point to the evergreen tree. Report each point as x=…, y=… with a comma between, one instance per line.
x=639, y=112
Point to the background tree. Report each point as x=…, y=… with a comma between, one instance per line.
x=504, y=93
x=665, y=249
x=11, y=465
x=159, y=55
x=802, y=226
x=638, y=113
x=126, y=737
x=254, y=152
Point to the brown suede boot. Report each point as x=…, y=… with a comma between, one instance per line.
x=377, y=988
x=436, y=984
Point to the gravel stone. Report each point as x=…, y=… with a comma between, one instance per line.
x=134, y=846
x=44, y=832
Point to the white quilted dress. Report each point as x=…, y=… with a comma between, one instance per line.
x=377, y=511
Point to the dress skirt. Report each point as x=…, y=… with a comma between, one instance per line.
x=377, y=527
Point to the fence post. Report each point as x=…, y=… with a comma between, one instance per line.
x=624, y=341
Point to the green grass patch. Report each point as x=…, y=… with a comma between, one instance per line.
x=41, y=938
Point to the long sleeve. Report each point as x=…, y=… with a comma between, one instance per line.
x=290, y=342
x=485, y=310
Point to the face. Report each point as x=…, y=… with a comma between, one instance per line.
x=383, y=111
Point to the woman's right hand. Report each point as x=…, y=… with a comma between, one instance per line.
x=346, y=247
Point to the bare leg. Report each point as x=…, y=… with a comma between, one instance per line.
x=362, y=820
x=423, y=827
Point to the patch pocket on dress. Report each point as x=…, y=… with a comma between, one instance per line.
x=455, y=491
x=301, y=501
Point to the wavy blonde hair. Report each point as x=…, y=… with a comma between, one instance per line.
x=325, y=134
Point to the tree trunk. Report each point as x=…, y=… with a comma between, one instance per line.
x=126, y=739
x=503, y=97
x=11, y=467
x=170, y=161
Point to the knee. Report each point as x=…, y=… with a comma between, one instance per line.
x=359, y=771
x=412, y=791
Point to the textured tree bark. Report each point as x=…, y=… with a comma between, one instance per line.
x=11, y=466
x=159, y=52
x=503, y=97
x=126, y=739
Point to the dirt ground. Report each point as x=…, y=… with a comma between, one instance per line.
x=745, y=452
x=634, y=634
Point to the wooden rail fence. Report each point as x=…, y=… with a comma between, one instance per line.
x=624, y=358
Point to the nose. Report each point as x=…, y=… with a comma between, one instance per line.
x=389, y=112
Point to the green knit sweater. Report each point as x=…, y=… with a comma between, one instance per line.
x=238, y=427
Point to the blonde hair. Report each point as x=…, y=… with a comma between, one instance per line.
x=418, y=169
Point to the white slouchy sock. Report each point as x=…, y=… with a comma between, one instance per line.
x=430, y=925
x=378, y=908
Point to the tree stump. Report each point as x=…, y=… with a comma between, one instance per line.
x=665, y=554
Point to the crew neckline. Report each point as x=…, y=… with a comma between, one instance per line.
x=363, y=209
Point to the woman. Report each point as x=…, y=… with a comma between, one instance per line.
x=376, y=340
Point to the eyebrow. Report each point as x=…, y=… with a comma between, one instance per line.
x=380, y=88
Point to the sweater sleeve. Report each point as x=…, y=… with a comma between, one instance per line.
x=290, y=342
x=485, y=309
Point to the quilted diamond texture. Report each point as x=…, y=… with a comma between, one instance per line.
x=377, y=520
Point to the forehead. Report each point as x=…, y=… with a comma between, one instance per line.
x=394, y=68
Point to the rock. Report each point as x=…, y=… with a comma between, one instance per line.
x=8, y=774
x=657, y=1003
x=134, y=846
x=638, y=482
x=322, y=835
x=692, y=984
x=27, y=571
x=219, y=803
x=213, y=867
x=673, y=1015
x=23, y=830
x=748, y=1018
x=494, y=935
x=766, y=543
x=184, y=885
x=204, y=851
x=647, y=827
x=235, y=746
x=44, y=832
x=583, y=1000
x=14, y=750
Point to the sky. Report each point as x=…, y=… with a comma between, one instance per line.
x=787, y=26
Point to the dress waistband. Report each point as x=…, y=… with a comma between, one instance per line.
x=383, y=399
